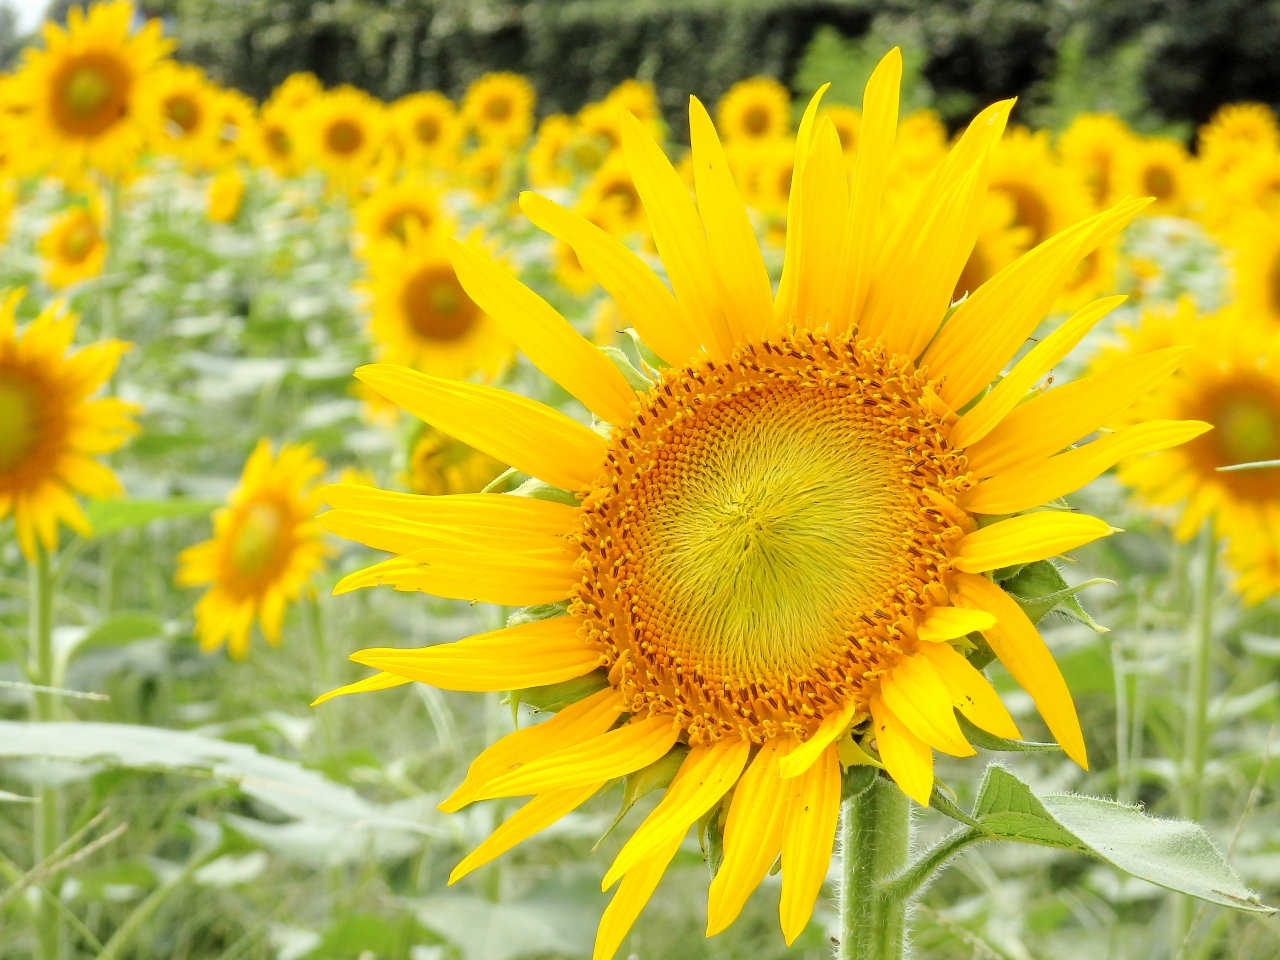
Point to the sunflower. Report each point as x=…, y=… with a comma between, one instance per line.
x=488, y=172
x=1093, y=147
x=1236, y=132
x=74, y=248
x=756, y=110
x=428, y=128
x=1231, y=379
x=567, y=268
x=848, y=123
x=273, y=140
x=81, y=93
x=386, y=215
x=422, y=318
x=689, y=535
x=439, y=465
x=1254, y=250
x=53, y=430
x=550, y=161
x=1252, y=185
x=265, y=547
x=342, y=132
x=296, y=91
x=1046, y=197
x=180, y=108
x=613, y=187
x=498, y=107
x=1157, y=167
x=1000, y=241
x=8, y=203
x=235, y=117
x=224, y=195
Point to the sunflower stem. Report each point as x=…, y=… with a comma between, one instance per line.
x=875, y=841
x=46, y=821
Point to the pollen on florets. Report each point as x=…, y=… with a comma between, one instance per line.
x=767, y=533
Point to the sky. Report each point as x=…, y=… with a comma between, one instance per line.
x=30, y=12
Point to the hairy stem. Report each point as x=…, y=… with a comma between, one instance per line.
x=875, y=839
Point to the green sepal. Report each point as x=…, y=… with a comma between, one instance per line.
x=946, y=805
x=656, y=776
x=711, y=834
x=557, y=696
x=982, y=654
x=541, y=611
x=538, y=490
x=989, y=741
x=635, y=378
x=855, y=781
x=647, y=356
x=1039, y=589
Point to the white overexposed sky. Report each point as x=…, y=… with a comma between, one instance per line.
x=30, y=12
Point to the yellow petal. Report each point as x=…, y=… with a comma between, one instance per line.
x=971, y=694
x=528, y=655
x=679, y=237
x=784, y=301
x=545, y=337
x=633, y=893
x=1018, y=644
x=379, y=681
x=520, y=432
x=1026, y=539
x=576, y=723
x=474, y=512
x=808, y=835
x=906, y=757
x=400, y=535
x=824, y=210
x=643, y=299
x=875, y=150
x=919, y=698
x=1060, y=475
x=1010, y=391
x=1057, y=418
x=752, y=836
x=989, y=327
x=510, y=579
x=748, y=297
x=538, y=814
x=707, y=773
x=829, y=731
x=614, y=754
x=949, y=623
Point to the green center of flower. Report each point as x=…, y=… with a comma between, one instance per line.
x=436, y=305
x=18, y=414
x=257, y=540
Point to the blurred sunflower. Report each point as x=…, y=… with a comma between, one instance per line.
x=567, y=268
x=439, y=465
x=499, y=108
x=488, y=172
x=550, y=161
x=1156, y=167
x=1230, y=379
x=1046, y=197
x=342, y=132
x=8, y=202
x=273, y=142
x=265, y=548
x=296, y=92
x=1094, y=147
x=422, y=318
x=612, y=187
x=234, y=117
x=1236, y=132
x=429, y=129
x=754, y=110
x=1093, y=276
x=690, y=530
x=53, y=431
x=1000, y=242
x=81, y=92
x=848, y=123
x=179, y=107
x=1252, y=186
x=392, y=210
x=74, y=247
x=224, y=195
x=1254, y=251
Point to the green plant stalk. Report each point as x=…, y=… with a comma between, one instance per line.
x=46, y=825
x=875, y=840
x=1195, y=748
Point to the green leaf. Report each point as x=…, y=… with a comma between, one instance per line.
x=635, y=379
x=126, y=626
x=646, y=354
x=656, y=776
x=1174, y=854
x=1039, y=589
x=989, y=741
x=483, y=930
x=112, y=516
x=542, y=611
x=544, y=491
x=557, y=696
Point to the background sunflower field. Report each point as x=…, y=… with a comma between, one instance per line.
x=212, y=213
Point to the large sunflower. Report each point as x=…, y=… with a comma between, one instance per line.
x=74, y=247
x=81, y=92
x=393, y=210
x=265, y=547
x=498, y=107
x=422, y=318
x=180, y=110
x=1157, y=167
x=764, y=551
x=754, y=110
x=1231, y=379
x=52, y=430
x=342, y=132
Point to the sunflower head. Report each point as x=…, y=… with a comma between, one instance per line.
x=343, y=130
x=551, y=161
x=180, y=108
x=1157, y=167
x=394, y=211
x=1253, y=246
x=848, y=123
x=234, y=118
x=428, y=127
x=273, y=140
x=1236, y=132
x=53, y=431
x=611, y=189
x=778, y=549
x=498, y=108
x=265, y=548
x=1094, y=147
x=439, y=465
x=296, y=91
x=1045, y=196
x=757, y=109
x=74, y=247
x=83, y=90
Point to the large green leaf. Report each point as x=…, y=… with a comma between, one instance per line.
x=1174, y=854
x=1040, y=589
x=111, y=516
